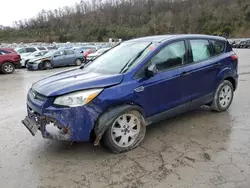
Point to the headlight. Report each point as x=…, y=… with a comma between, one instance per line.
x=78, y=98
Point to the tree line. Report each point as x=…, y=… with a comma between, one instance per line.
x=98, y=20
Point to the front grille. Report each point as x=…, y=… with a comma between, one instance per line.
x=37, y=96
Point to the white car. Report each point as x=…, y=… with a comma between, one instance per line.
x=97, y=53
x=26, y=58
x=28, y=50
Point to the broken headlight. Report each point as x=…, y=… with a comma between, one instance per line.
x=78, y=98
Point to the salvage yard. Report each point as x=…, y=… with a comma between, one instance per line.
x=198, y=149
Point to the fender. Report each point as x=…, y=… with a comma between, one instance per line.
x=226, y=73
x=108, y=117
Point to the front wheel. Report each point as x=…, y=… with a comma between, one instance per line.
x=47, y=65
x=126, y=132
x=223, y=97
x=8, y=68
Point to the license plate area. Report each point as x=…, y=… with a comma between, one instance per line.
x=31, y=125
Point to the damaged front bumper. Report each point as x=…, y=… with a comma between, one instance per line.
x=49, y=128
x=71, y=124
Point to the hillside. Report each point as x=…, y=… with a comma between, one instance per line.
x=99, y=20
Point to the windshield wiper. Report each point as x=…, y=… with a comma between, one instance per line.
x=81, y=67
x=132, y=60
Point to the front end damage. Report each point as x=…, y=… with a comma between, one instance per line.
x=56, y=123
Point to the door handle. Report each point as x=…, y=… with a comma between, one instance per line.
x=217, y=65
x=185, y=73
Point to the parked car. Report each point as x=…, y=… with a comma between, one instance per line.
x=96, y=54
x=26, y=58
x=137, y=83
x=86, y=50
x=9, y=61
x=56, y=58
x=9, y=50
x=29, y=50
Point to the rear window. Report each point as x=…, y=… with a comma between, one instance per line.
x=201, y=49
x=41, y=48
x=2, y=52
x=30, y=49
x=218, y=47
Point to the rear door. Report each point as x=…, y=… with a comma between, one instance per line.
x=70, y=57
x=202, y=69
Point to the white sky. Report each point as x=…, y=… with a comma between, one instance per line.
x=13, y=10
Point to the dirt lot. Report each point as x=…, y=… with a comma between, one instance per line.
x=197, y=149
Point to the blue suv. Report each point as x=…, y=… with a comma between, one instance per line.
x=138, y=82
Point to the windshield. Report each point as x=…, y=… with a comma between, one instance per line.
x=50, y=53
x=117, y=58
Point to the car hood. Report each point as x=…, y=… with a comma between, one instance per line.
x=74, y=80
x=39, y=58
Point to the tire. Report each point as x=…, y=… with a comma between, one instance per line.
x=78, y=62
x=223, y=97
x=124, y=136
x=7, y=68
x=47, y=65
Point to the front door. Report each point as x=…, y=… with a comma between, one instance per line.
x=59, y=59
x=164, y=91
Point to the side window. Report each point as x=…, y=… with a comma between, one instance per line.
x=30, y=49
x=69, y=52
x=59, y=53
x=171, y=56
x=200, y=49
x=218, y=46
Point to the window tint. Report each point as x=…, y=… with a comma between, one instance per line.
x=4, y=52
x=218, y=46
x=59, y=53
x=22, y=50
x=41, y=48
x=200, y=49
x=172, y=55
x=69, y=52
x=30, y=49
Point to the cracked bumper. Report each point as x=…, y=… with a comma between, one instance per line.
x=71, y=124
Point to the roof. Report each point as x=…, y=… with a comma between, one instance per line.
x=161, y=38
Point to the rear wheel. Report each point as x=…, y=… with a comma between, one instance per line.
x=223, y=96
x=8, y=68
x=126, y=132
x=78, y=62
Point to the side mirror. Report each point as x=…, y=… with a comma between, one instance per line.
x=151, y=71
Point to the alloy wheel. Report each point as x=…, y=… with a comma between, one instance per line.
x=225, y=96
x=125, y=130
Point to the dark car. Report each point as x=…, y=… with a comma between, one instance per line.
x=135, y=84
x=56, y=58
x=9, y=61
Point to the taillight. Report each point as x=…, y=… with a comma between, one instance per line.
x=234, y=57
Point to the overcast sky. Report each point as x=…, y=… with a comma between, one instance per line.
x=12, y=10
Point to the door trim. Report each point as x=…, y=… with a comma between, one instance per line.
x=169, y=113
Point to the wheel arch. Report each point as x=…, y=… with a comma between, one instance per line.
x=106, y=118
